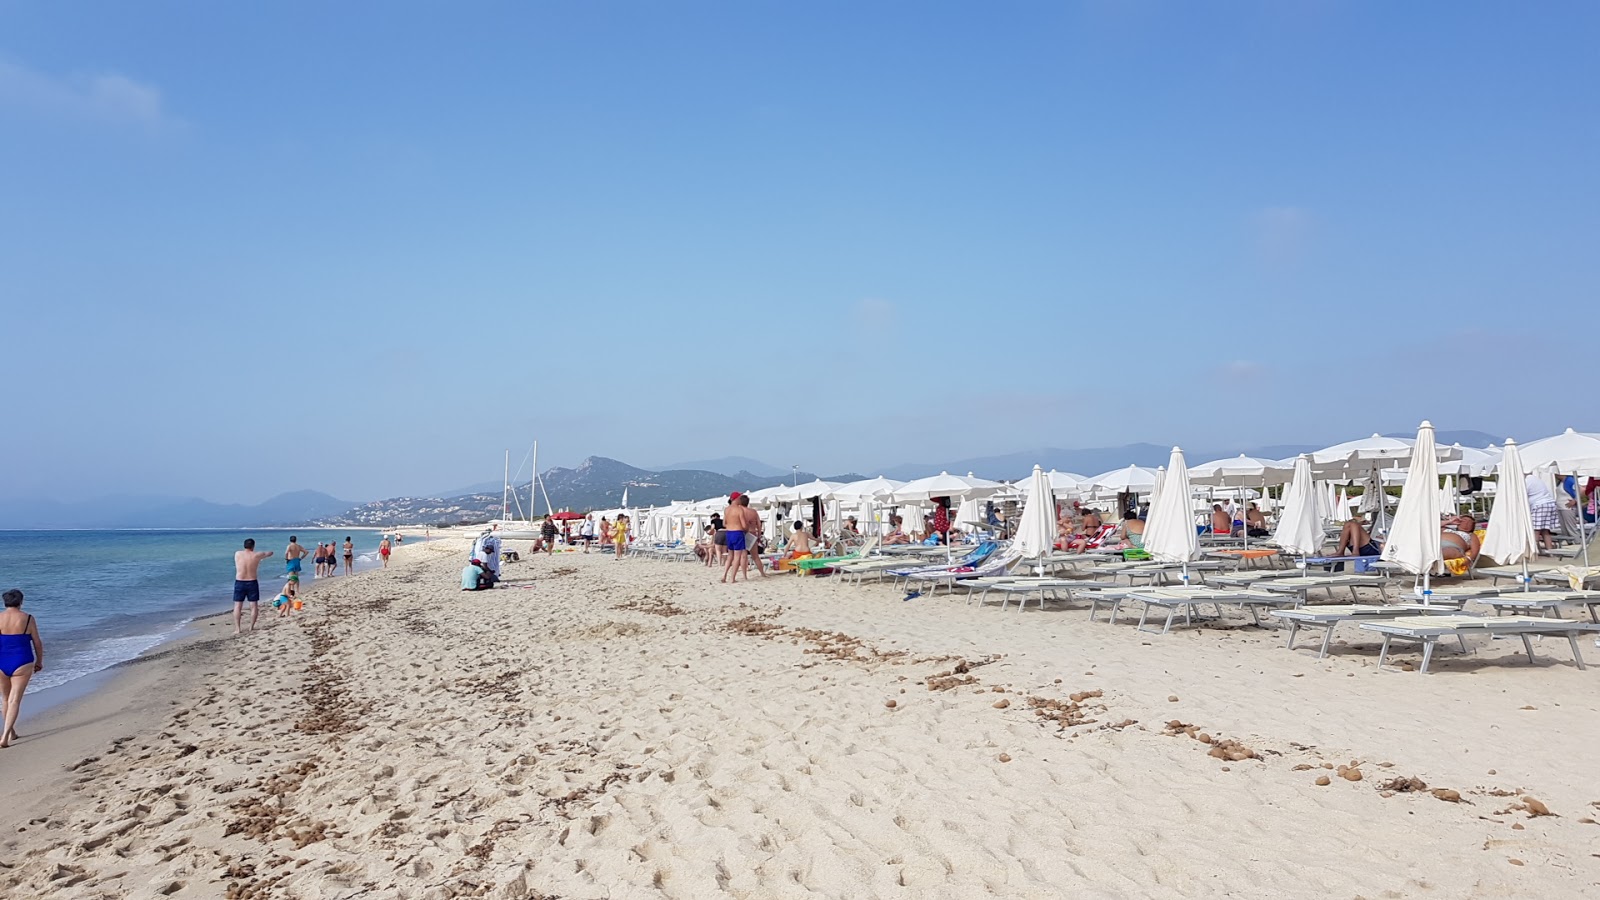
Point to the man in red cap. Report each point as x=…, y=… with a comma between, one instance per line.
x=733, y=519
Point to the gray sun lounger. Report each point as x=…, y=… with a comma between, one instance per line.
x=1328, y=617
x=1174, y=600
x=1427, y=630
x=1023, y=588
x=1546, y=603
x=1301, y=586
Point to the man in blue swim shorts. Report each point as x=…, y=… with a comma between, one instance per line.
x=733, y=519
x=246, y=584
x=292, y=555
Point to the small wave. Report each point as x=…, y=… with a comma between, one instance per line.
x=97, y=657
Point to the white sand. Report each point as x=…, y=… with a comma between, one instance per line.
x=563, y=738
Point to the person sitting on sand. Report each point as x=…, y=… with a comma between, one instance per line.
x=1221, y=520
x=476, y=577
x=285, y=598
x=897, y=534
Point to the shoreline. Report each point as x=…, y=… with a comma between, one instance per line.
x=601, y=728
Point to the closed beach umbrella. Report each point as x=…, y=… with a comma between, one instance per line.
x=1413, y=541
x=1449, y=497
x=1511, y=539
x=913, y=520
x=970, y=514
x=1170, y=534
x=1036, y=533
x=1299, y=526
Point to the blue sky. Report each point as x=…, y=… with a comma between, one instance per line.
x=363, y=247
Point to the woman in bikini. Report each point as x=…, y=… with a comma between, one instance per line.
x=21, y=655
x=349, y=556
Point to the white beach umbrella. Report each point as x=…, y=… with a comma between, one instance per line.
x=873, y=488
x=1299, y=527
x=1471, y=461
x=811, y=490
x=1341, y=507
x=766, y=497
x=1133, y=479
x=1449, y=496
x=945, y=485
x=1036, y=532
x=1240, y=471
x=1157, y=485
x=1062, y=484
x=1568, y=453
x=1413, y=540
x=1511, y=539
x=912, y=519
x=1374, y=448
x=970, y=514
x=1170, y=535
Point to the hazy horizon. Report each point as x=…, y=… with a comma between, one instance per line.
x=241, y=254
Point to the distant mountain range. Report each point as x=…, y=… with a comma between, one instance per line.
x=596, y=483
x=293, y=508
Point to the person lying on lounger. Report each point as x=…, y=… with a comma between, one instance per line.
x=1458, y=541
x=1355, y=541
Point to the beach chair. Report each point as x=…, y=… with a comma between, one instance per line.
x=1329, y=617
x=977, y=557
x=1177, y=599
x=1305, y=584
x=1427, y=630
x=828, y=562
x=949, y=575
x=1545, y=603
x=1022, y=588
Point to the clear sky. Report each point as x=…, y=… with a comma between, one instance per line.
x=364, y=247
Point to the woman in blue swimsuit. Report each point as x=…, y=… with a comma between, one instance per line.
x=21, y=655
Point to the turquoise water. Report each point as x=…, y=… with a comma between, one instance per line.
x=102, y=597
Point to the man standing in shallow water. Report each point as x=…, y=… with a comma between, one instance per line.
x=246, y=583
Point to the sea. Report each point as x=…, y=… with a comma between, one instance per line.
x=104, y=597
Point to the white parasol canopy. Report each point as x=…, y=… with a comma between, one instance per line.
x=1299, y=526
x=1414, y=541
x=1240, y=471
x=808, y=491
x=1062, y=484
x=1511, y=539
x=1170, y=534
x=1570, y=453
x=870, y=488
x=1472, y=461
x=945, y=485
x=1376, y=447
x=766, y=496
x=1133, y=479
x=1036, y=533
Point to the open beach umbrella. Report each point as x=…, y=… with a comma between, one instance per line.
x=1376, y=447
x=1568, y=453
x=808, y=491
x=766, y=497
x=1511, y=539
x=1299, y=526
x=1132, y=480
x=945, y=485
x=869, y=488
x=1170, y=534
x=1413, y=540
x=1240, y=471
x=1062, y=484
x=1472, y=462
x=1036, y=533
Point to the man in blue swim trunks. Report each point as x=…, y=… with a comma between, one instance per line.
x=246, y=584
x=733, y=519
x=292, y=555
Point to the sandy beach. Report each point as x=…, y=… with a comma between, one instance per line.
x=600, y=728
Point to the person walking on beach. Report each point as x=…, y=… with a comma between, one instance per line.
x=246, y=583
x=21, y=655
x=733, y=520
x=548, y=531
x=383, y=551
x=586, y=531
x=349, y=556
x=619, y=534
x=294, y=556
x=320, y=560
